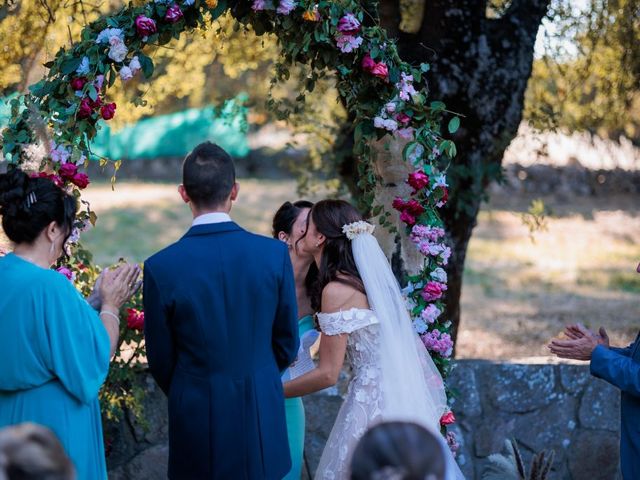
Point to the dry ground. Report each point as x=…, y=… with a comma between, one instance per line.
x=518, y=293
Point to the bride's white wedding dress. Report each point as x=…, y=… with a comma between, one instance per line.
x=363, y=404
x=394, y=378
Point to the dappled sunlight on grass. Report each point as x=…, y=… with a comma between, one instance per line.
x=519, y=292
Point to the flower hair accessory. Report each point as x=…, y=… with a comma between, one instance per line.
x=352, y=230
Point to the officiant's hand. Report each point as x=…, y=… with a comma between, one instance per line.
x=578, y=331
x=581, y=343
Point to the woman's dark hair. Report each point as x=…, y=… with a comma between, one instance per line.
x=283, y=221
x=336, y=263
x=399, y=450
x=28, y=205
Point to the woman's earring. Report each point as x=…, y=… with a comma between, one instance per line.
x=289, y=246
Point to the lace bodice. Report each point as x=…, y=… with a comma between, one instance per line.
x=363, y=402
x=362, y=326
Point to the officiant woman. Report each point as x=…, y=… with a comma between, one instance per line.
x=55, y=346
x=289, y=225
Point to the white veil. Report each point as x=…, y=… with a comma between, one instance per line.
x=411, y=384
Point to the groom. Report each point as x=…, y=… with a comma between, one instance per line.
x=220, y=326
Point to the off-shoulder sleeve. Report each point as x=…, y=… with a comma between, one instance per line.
x=347, y=321
x=79, y=344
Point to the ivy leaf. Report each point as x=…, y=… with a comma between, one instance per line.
x=70, y=65
x=147, y=65
x=454, y=124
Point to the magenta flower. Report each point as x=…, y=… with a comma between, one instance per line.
x=349, y=24
x=433, y=291
x=66, y=272
x=173, y=14
x=418, y=180
x=145, y=26
x=438, y=342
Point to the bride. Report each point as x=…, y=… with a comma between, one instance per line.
x=363, y=316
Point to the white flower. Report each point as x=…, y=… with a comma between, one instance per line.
x=83, y=68
x=352, y=230
x=118, y=51
x=416, y=153
x=107, y=34
x=390, y=124
x=378, y=122
x=420, y=326
x=348, y=43
x=126, y=74
x=134, y=65
x=390, y=107
x=440, y=181
x=440, y=275
x=286, y=6
x=58, y=153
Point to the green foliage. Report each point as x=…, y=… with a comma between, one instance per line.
x=589, y=77
x=510, y=466
x=535, y=218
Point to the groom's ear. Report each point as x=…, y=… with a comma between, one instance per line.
x=234, y=191
x=183, y=193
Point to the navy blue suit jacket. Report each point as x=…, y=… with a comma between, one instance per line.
x=621, y=368
x=220, y=326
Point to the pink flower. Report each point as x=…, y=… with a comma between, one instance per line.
x=173, y=14
x=349, y=24
x=418, y=180
x=135, y=319
x=80, y=180
x=405, y=133
x=452, y=441
x=430, y=313
x=407, y=218
x=66, y=272
x=348, y=43
x=368, y=63
x=68, y=170
x=85, y=110
x=403, y=118
x=438, y=342
x=433, y=291
x=78, y=83
x=380, y=70
x=259, y=5
x=145, y=26
x=447, y=419
x=286, y=7
x=108, y=111
x=406, y=87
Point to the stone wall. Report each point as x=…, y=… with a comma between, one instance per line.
x=559, y=407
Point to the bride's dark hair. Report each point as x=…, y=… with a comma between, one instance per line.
x=336, y=263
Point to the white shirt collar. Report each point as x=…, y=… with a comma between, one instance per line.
x=207, y=218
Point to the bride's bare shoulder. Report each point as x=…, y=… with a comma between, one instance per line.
x=338, y=296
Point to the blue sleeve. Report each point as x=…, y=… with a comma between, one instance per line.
x=285, y=339
x=626, y=351
x=157, y=333
x=78, y=342
x=617, y=369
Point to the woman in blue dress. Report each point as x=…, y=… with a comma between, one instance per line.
x=55, y=346
x=289, y=225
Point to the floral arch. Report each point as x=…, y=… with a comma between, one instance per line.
x=387, y=98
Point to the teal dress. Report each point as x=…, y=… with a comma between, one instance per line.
x=294, y=410
x=55, y=357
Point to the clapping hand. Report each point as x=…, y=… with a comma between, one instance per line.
x=119, y=284
x=580, y=344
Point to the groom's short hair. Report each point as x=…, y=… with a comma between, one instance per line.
x=208, y=175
